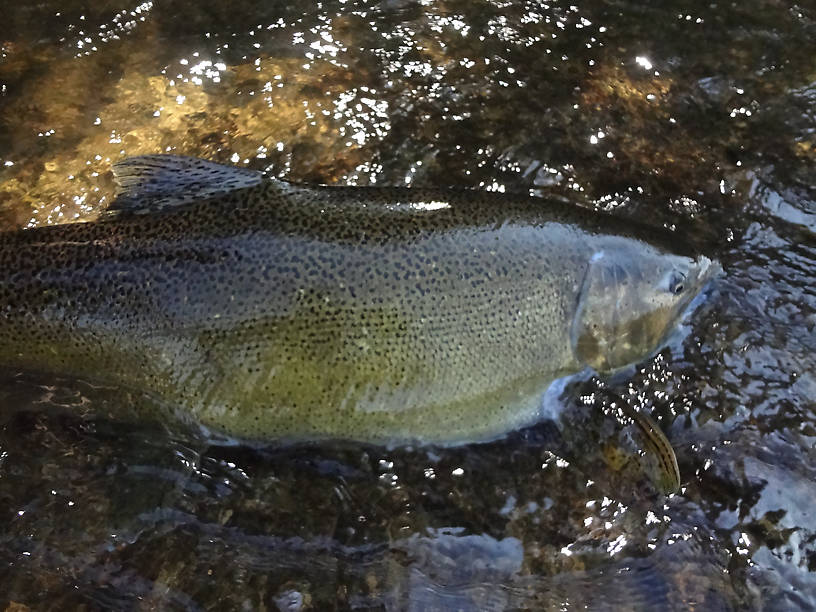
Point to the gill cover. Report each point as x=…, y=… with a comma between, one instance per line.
x=630, y=299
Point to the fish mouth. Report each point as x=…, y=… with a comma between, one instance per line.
x=707, y=269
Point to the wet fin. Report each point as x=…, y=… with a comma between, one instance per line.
x=149, y=183
x=668, y=479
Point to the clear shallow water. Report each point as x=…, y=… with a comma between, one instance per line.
x=694, y=115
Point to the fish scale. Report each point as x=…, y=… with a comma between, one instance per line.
x=265, y=310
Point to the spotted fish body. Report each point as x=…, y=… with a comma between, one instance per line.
x=264, y=310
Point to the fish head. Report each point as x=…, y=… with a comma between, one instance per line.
x=632, y=296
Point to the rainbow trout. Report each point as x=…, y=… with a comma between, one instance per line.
x=265, y=310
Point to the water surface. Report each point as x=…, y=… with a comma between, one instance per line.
x=695, y=115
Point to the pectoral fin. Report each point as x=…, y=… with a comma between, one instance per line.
x=668, y=478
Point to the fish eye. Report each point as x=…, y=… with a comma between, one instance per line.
x=677, y=283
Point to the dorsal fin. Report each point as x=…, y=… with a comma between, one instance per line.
x=149, y=183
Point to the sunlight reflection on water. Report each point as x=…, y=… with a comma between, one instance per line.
x=699, y=119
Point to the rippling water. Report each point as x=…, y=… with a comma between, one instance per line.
x=695, y=115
